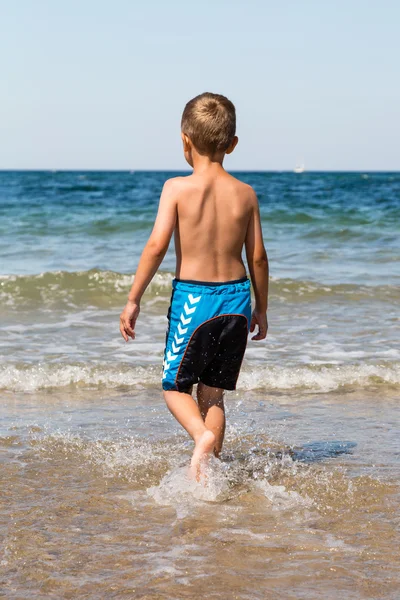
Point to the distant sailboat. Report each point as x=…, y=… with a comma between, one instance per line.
x=300, y=167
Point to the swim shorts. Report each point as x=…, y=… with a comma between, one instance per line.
x=207, y=333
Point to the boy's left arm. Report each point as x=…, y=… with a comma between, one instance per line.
x=151, y=258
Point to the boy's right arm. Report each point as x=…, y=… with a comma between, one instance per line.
x=257, y=261
x=151, y=258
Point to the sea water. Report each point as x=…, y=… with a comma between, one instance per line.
x=95, y=500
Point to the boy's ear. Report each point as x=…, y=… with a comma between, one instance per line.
x=233, y=145
x=186, y=142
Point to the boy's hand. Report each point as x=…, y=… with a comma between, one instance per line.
x=127, y=320
x=260, y=319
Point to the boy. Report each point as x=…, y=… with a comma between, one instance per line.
x=212, y=215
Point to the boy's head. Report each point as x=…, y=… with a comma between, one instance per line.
x=209, y=121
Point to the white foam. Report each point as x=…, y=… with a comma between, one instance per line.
x=311, y=378
x=319, y=378
x=29, y=378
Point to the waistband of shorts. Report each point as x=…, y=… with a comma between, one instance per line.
x=212, y=283
x=212, y=287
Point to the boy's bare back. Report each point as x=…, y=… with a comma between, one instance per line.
x=213, y=214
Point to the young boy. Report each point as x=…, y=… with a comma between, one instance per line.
x=212, y=215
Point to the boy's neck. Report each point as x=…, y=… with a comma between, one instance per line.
x=207, y=164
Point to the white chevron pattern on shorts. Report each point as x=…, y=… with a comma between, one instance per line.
x=171, y=357
x=175, y=349
x=181, y=331
x=178, y=339
x=185, y=320
x=189, y=311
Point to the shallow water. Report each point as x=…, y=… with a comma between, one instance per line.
x=95, y=501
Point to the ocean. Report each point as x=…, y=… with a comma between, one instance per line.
x=95, y=502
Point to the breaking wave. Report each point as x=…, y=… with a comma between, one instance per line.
x=308, y=378
x=103, y=289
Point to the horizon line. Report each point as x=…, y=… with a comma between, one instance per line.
x=133, y=171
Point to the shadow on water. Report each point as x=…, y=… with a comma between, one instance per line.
x=308, y=453
x=317, y=451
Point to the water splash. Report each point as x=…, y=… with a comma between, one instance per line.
x=180, y=491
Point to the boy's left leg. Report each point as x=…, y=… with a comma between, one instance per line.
x=187, y=413
x=212, y=409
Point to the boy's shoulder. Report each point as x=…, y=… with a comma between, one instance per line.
x=242, y=191
x=243, y=187
x=176, y=185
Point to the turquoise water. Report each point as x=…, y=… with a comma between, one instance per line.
x=325, y=227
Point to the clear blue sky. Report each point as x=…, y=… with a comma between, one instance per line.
x=101, y=84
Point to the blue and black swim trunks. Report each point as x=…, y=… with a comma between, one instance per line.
x=207, y=334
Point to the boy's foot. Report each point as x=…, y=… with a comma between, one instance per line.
x=203, y=448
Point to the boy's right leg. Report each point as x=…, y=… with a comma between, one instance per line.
x=212, y=409
x=186, y=412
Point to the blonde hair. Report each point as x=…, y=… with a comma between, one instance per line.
x=209, y=120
